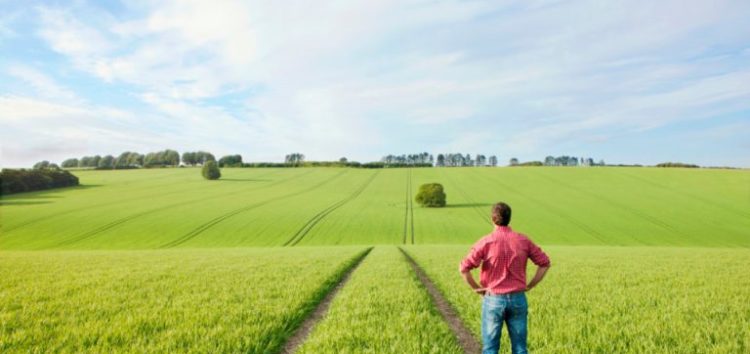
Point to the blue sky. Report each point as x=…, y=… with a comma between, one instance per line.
x=627, y=82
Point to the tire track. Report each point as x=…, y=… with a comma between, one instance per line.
x=411, y=206
x=70, y=211
x=463, y=335
x=481, y=214
x=310, y=224
x=321, y=309
x=555, y=210
x=198, y=230
x=125, y=219
x=409, y=211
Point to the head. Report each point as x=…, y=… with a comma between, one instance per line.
x=501, y=214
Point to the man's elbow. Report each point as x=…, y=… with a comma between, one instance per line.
x=464, y=270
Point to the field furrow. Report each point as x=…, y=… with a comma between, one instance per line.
x=200, y=229
x=300, y=234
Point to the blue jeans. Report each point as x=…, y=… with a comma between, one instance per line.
x=511, y=309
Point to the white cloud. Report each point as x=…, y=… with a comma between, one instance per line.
x=324, y=78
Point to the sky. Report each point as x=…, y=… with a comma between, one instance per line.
x=623, y=81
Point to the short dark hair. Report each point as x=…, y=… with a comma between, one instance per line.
x=501, y=214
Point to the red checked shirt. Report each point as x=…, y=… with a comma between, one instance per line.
x=503, y=255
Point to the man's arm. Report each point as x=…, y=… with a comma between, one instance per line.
x=472, y=260
x=540, y=272
x=470, y=280
x=542, y=262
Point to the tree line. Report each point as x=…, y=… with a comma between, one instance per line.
x=171, y=158
x=571, y=161
x=422, y=159
x=23, y=180
x=464, y=160
x=130, y=159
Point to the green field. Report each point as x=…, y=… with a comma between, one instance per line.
x=644, y=259
x=176, y=208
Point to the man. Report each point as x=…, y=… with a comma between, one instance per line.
x=502, y=256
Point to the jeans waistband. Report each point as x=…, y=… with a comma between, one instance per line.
x=507, y=295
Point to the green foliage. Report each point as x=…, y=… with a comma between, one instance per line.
x=107, y=162
x=197, y=158
x=18, y=181
x=530, y=163
x=210, y=170
x=431, y=195
x=70, y=163
x=294, y=159
x=162, y=159
x=41, y=165
x=677, y=164
x=230, y=160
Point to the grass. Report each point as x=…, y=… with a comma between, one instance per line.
x=620, y=299
x=229, y=300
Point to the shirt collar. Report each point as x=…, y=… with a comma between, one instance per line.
x=503, y=228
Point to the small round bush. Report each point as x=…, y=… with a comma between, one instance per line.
x=431, y=195
x=210, y=170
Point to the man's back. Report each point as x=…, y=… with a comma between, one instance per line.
x=503, y=255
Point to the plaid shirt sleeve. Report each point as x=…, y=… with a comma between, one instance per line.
x=537, y=255
x=474, y=258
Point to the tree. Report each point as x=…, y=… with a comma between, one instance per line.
x=294, y=159
x=481, y=160
x=107, y=162
x=440, y=160
x=135, y=159
x=122, y=160
x=493, y=161
x=171, y=158
x=41, y=165
x=514, y=161
x=343, y=160
x=70, y=163
x=188, y=158
x=230, y=160
x=210, y=170
x=431, y=195
x=202, y=157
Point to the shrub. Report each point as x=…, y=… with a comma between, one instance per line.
x=210, y=170
x=431, y=195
